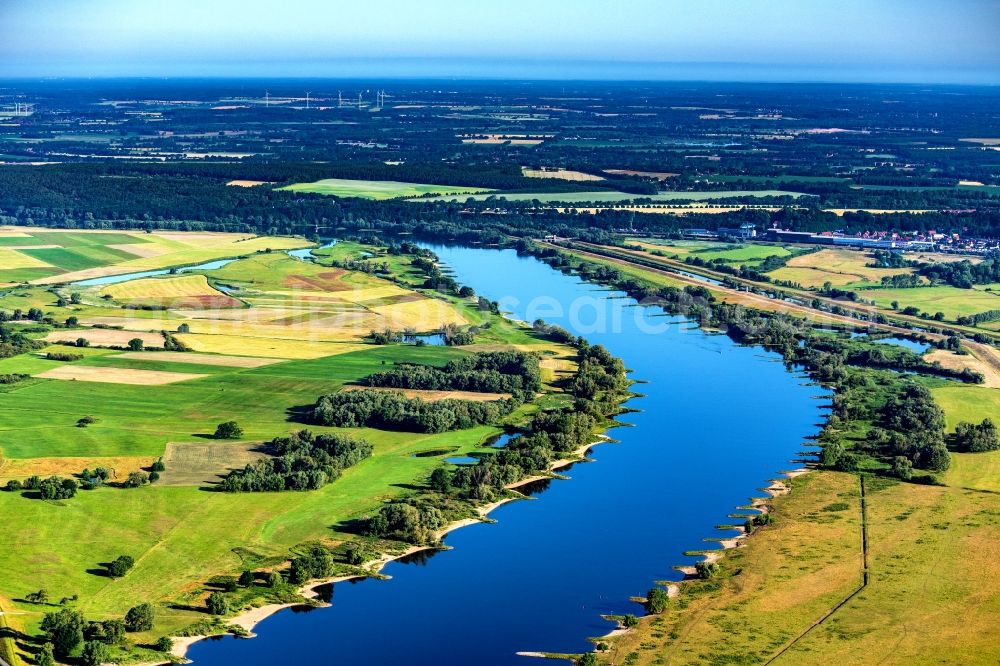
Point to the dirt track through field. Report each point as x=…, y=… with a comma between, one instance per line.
x=202, y=359
x=102, y=375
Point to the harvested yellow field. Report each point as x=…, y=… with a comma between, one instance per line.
x=157, y=321
x=104, y=337
x=942, y=258
x=837, y=266
x=426, y=315
x=85, y=373
x=953, y=361
x=560, y=174
x=433, y=396
x=144, y=250
x=202, y=359
x=120, y=466
x=12, y=232
x=185, y=292
x=236, y=345
x=983, y=142
x=320, y=328
x=168, y=287
x=191, y=464
x=257, y=313
x=363, y=294
x=11, y=258
x=248, y=183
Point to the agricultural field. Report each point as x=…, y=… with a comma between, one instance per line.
x=182, y=292
x=743, y=253
x=301, y=334
x=47, y=256
x=967, y=403
x=839, y=266
x=560, y=174
x=279, y=307
x=378, y=189
x=610, y=196
x=952, y=301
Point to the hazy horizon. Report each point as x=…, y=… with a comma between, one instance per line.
x=852, y=41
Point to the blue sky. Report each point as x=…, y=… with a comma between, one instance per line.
x=954, y=41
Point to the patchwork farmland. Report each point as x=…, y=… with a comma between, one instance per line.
x=90, y=396
x=46, y=256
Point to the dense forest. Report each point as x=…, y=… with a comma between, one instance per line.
x=486, y=372
x=392, y=410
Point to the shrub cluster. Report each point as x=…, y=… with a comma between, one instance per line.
x=63, y=356
x=411, y=521
x=52, y=488
x=976, y=437
x=302, y=461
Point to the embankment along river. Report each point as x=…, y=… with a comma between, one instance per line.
x=717, y=421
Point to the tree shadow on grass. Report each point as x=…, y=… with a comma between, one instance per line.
x=25, y=643
x=103, y=572
x=300, y=414
x=351, y=526
x=188, y=607
x=410, y=486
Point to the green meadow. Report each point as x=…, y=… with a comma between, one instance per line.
x=378, y=189
x=180, y=535
x=179, y=531
x=952, y=301
x=39, y=419
x=31, y=254
x=744, y=254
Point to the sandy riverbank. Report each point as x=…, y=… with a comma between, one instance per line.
x=249, y=619
x=776, y=488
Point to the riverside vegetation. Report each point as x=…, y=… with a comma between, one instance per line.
x=369, y=462
x=886, y=426
x=863, y=159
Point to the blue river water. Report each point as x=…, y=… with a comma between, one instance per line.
x=125, y=277
x=717, y=421
x=913, y=345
